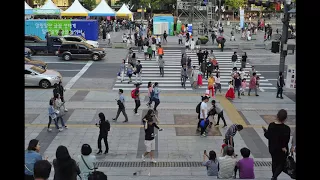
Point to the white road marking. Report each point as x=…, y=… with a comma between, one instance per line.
x=68, y=70
x=66, y=62
x=261, y=89
x=77, y=76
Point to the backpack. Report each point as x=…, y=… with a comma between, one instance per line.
x=198, y=108
x=133, y=93
x=120, y=104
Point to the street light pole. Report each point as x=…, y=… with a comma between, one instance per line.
x=284, y=36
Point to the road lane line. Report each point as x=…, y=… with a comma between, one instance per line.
x=68, y=70
x=77, y=76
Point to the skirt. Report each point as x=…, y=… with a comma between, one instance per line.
x=199, y=80
x=230, y=93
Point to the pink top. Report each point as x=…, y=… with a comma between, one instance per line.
x=243, y=85
x=149, y=91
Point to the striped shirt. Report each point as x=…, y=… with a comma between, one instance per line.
x=231, y=131
x=226, y=167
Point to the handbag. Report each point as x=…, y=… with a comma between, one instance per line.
x=290, y=167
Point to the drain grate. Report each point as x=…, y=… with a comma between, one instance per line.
x=164, y=164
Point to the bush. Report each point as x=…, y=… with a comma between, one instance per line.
x=204, y=39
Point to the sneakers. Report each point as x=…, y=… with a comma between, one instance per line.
x=154, y=161
x=60, y=129
x=143, y=158
x=66, y=127
x=125, y=121
x=204, y=135
x=49, y=129
x=137, y=114
x=160, y=129
x=66, y=110
x=114, y=119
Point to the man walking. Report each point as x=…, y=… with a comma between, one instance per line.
x=135, y=94
x=121, y=107
x=234, y=59
x=231, y=132
x=161, y=66
x=280, y=84
x=253, y=84
x=149, y=141
x=200, y=57
x=138, y=72
x=203, y=112
x=160, y=52
x=198, y=42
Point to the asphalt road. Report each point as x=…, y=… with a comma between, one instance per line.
x=270, y=72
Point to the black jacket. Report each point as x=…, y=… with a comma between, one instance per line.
x=200, y=57
x=278, y=136
x=280, y=82
x=60, y=175
x=61, y=89
x=244, y=58
x=149, y=132
x=237, y=82
x=55, y=91
x=104, y=128
x=234, y=58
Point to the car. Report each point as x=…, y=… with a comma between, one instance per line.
x=32, y=38
x=36, y=76
x=79, y=50
x=38, y=63
x=80, y=39
x=27, y=52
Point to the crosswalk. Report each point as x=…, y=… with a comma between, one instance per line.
x=171, y=80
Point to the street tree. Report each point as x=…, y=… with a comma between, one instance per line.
x=235, y=4
x=39, y=2
x=152, y=4
x=89, y=4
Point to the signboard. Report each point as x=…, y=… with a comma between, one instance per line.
x=241, y=18
x=46, y=11
x=291, y=77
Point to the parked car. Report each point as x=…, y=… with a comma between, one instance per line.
x=36, y=76
x=38, y=63
x=81, y=39
x=80, y=50
x=27, y=52
x=35, y=44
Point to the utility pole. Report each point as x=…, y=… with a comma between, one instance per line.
x=284, y=36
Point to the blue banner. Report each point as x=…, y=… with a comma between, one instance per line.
x=89, y=27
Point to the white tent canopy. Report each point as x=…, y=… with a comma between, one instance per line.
x=76, y=9
x=49, y=5
x=124, y=11
x=26, y=6
x=49, y=8
x=103, y=9
x=27, y=9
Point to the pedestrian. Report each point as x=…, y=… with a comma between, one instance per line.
x=135, y=94
x=194, y=75
x=237, y=84
x=217, y=85
x=149, y=141
x=65, y=168
x=61, y=91
x=149, y=50
x=243, y=86
x=230, y=92
x=140, y=44
x=245, y=165
x=189, y=63
x=253, y=84
x=31, y=156
x=203, y=67
x=203, y=114
x=86, y=161
x=231, y=132
x=129, y=72
x=242, y=73
x=153, y=47
x=52, y=115
x=132, y=60
x=213, y=36
x=183, y=59
x=104, y=33
x=212, y=163
x=161, y=66
x=198, y=42
x=209, y=68
x=211, y=85
x=160, y=52
x=219, y=111
x=200, y=57
x=223, y=40
x=180, y=38
x=244, y=60
x=137, y=72
x=145, y=51
x=278, y=135
x=280, y=85
x=83, y=34
x=58, y=107
x=187, y=44
x=227, y=164
x=205, y=54
x=150, y=89
x=234, y=59
x=184, y=76
x=158, y=40
x=165, y=35
x=155, y=96
x=42, y=170
x=199, y=82
x=258, y=82
x=104, y=128
x=122, y=69
x=192, y=45
x=293, y=142
x=121, y=107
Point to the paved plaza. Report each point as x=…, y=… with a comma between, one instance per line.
x=92, y=88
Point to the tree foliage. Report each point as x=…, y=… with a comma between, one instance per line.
x=39, y=2
x=155, y=4
x=89, y=4
x=236, y=4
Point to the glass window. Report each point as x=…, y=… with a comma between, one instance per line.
x=73, y=46
x=82, y=47
x=27, y=72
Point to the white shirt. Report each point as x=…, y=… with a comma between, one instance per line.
x=145, y=49
x=241, y=74
x=226, y=165
x=186, y=43
x=108, y=36
x=205, y=108
x=216, y=80
x=153, y=47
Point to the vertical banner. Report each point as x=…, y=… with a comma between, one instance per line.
x=291, y=77
x=190, y=28
x=55, y=25
x=241, y=18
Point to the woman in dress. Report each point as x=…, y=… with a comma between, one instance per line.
x=230, y=92
x=199, y=79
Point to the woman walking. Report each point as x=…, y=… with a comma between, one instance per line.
x=150, y=89
x=155, y=97
x=278, y=135
x=211, y=84
x=129, y=72
x=31, y=156
x=104, y=127
x=253, y=84
x=217, y=85
x=65, y=168
x=59, y=109
x=244, y=60
x=52, y=115
x=194, y=75
x=86, y=161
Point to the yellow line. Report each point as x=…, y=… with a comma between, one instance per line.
x=135, y=125
x=232, y=112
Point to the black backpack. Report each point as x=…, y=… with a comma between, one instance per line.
x=120, y=104
x=198, y=108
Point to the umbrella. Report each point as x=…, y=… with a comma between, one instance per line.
x=220, y=39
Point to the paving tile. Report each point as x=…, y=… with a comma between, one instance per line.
x=29, y=118
x=253, y=141
x=79, y=95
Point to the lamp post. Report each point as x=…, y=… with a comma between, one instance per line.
x=284, y=36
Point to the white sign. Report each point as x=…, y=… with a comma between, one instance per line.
x=241, y=18
x=291, y=77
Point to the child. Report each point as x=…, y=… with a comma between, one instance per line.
x=230, y=92
x=199, y=78
x=245, y=165
x=243, y=86
x=258, y=82
x=223, y=149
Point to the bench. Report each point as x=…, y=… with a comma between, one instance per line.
x=119, y=45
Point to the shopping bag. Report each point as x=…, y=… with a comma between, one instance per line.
x=290, y=167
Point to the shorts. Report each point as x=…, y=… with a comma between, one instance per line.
x=150, y=145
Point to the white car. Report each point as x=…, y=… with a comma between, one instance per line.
x=80, y=39
x=36, y=76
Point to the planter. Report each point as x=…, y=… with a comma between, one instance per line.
x=204, y=41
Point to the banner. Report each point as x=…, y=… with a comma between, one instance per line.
x=55, y=25
x=46, y=11
x=241, y=18
x=291, y=77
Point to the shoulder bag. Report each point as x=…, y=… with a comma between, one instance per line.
x=94, y=168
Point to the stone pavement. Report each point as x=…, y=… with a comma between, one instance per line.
x=179, y=142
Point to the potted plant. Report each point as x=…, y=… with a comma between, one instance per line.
x=204, y=39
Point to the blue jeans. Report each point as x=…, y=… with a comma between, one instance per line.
x=62, y=121
x=55, y=122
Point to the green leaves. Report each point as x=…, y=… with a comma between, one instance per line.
x=39, y=2
x=88, y=4
x=235, y=4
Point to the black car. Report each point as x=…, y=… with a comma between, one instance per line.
x=79, y=50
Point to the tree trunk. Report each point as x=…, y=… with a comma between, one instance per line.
x=233, y=15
